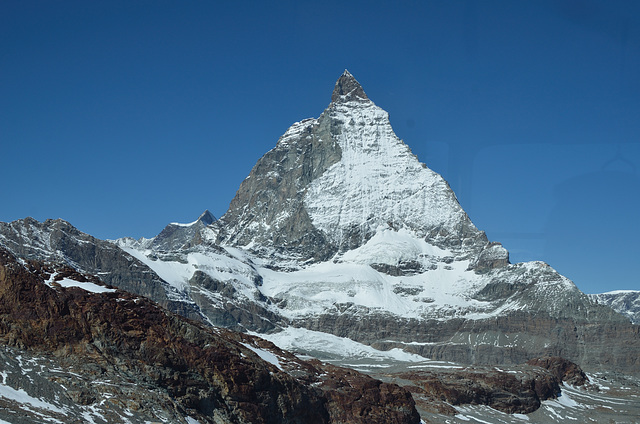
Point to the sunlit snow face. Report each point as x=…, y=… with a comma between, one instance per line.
x=378, y=181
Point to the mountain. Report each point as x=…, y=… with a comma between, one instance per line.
x=626, y=302
x=332, y=184
x=58, y=241
x=339, y=235
x=75, y=350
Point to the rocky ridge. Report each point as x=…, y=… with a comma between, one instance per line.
x=58, y=241
x=128, y=360
x=626, y=302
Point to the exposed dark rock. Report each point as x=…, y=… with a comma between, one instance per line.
x=348, y=89
x=268, y=208
x=492, y=256
x=513, y=338
x=403, y=268
x=214, y=375
x=516, y=391
x=563, y=369
x=182, y=236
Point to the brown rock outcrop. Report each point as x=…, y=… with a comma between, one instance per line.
x=513, y=391
x=563, y=369
x=214, y=375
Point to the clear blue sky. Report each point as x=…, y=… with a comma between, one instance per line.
x=123, y=116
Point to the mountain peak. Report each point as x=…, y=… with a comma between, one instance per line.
x=348, y=88
x=206, y=218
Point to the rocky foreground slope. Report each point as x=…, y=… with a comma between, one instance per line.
x=103, y=355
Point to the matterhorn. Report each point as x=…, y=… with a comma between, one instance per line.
x=341, y=245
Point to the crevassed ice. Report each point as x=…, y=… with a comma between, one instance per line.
x=378, y=180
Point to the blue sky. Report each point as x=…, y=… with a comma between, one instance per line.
x=123, y=116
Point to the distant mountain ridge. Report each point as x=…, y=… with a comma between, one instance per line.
x=626, y=302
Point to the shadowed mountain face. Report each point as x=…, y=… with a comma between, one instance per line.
x=163, y=365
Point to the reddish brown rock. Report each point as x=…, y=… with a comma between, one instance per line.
x=210, y=374
x=513, y=391
x=563, y=369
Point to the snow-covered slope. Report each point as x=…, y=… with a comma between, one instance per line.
x=378, y=184
x=626, y=302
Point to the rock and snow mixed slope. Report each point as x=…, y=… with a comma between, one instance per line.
x=73, y=350
x=333, y=183
x=626, y=302
x=340, y=229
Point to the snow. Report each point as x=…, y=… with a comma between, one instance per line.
x=325, y=345
x=565, y=400
x=178, y=224
x=265, y=355
x=87, y=286
x=392, y=247
x=618, y=292
x=442, y=292
x=178, y=274
x=378, y=180
x=24, y=398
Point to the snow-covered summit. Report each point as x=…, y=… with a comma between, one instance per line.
x=332, y=183
x=379, y=182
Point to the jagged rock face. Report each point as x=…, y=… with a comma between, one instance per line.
x=517, y=392
x=491, y=257
x=626, y=302
x=331, y=183
x=268, y=213
x=181, y=236
x=212, y=375
x=562, y=369
x=58, y=241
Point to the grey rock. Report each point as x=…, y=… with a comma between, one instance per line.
x=348, y=89
x=626, y=302
x=60, y=242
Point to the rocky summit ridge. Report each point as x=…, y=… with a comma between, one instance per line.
x=331, y=184
x=340, y=235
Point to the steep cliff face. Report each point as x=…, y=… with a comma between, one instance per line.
x=333, y=183
x=176, y=370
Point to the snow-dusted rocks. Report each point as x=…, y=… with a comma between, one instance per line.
x=626, y=302
x=333, y=183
